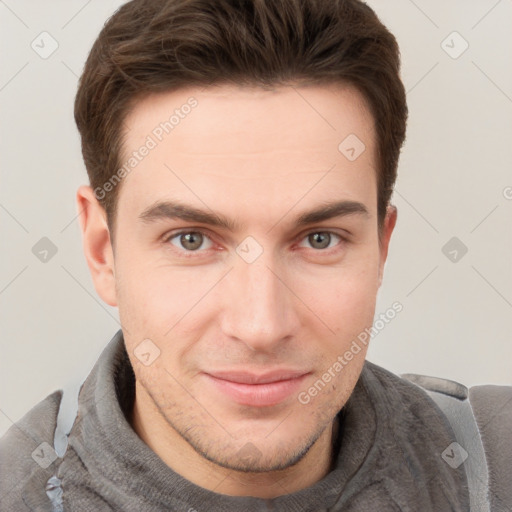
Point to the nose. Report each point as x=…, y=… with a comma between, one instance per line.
x=259, y=307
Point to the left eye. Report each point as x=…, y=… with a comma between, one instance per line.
x=189, y=240
x=322, y=239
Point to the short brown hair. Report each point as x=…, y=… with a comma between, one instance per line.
x=151, y=46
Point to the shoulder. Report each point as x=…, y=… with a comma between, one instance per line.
x=489, y=409
x=26, y=451
x=412, y=388
x=492, y=406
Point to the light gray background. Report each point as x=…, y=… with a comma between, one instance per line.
x=455, y=180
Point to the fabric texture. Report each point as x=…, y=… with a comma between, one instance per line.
x=27, y=458
x=387, y=455
x=494, y=418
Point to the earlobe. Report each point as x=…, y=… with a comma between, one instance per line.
x=389, y=226
x=97, y=244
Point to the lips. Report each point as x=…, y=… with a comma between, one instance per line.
x=251, y=378
x=263, y=390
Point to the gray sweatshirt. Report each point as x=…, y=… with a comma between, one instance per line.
x=387, y=455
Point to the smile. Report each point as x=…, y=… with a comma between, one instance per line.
x=264, y=391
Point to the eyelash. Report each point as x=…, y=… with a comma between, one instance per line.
x=191, y=254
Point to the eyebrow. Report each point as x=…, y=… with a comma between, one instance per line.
x=162, y=210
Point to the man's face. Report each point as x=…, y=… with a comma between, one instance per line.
x=260, y=293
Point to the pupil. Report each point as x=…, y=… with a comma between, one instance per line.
x=191, y=240
x=321, y=238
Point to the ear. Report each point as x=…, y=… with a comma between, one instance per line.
x=389, y=225
x=97, y=244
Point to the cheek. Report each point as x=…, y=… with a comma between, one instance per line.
x=344, y=298
x=148, y=290
x=136, y=305
x=165, y=304
x=355, y=297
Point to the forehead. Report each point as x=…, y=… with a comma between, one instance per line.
x=270, y=146
x=298, y=113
